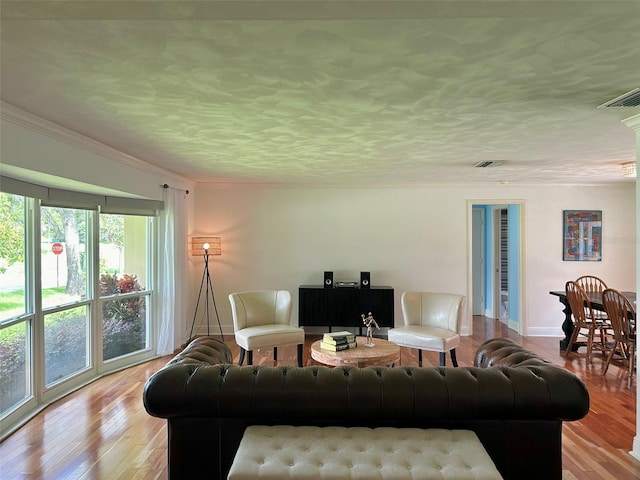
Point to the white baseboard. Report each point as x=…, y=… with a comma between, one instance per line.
x=545, y=332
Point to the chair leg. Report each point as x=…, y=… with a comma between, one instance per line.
x=275, y=354
x=300, y=352
x=603, y=339
x=454, y=360
x=443, y=359
x=242, y=352
x=632, y=362
x=419, y=357
x=572, y=340
x=590, y=345
x=628, y=354
x=609, y=357
x=249, y=357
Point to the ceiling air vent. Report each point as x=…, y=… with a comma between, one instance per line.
x=629, y=99
x=486, y=164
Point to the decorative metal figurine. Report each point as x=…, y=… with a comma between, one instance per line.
x=370, y=322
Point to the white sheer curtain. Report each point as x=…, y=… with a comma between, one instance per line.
x=172, y=272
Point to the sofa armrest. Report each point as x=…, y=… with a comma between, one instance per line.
x=508, y=355
x=506, y=352
x=163, y=389
x=204, y=350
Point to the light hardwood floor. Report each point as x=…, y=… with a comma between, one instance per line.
x=103, y=431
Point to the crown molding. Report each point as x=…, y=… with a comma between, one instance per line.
x=20, y=10
x=633, y=122
x=34, y=123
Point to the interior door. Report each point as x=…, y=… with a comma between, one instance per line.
x=478, y=261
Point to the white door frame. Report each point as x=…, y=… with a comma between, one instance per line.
x=521, y=326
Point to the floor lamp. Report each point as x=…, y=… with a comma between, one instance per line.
x=205, y=246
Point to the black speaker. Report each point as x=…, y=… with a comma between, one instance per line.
x=365, y=279
x=328, y=279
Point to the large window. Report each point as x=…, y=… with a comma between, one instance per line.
x=75, y=295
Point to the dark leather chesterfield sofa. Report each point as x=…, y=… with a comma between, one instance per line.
x=514, y=400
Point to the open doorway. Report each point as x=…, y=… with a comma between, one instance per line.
x=501, y=264
x=495, y=248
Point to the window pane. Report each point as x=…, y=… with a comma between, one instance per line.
x=64, y=260
x=65, y=343
x=14, y=372
x=125, y=326
x=12, y=240
x=123, y=271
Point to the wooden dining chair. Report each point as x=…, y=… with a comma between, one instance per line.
x=622, y=316
x=593, y=284
x=584, y=320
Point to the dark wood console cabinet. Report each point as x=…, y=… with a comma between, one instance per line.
x=342, y=306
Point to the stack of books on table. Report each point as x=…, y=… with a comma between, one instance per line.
x=337, y=341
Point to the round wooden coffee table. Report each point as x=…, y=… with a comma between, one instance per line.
x=383, y=353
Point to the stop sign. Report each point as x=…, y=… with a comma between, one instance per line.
x=57, y=248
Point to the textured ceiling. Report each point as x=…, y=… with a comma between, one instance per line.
x=336, y=93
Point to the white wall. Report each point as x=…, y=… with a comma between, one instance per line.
x=409, y=238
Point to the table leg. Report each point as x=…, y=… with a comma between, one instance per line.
x=567, y=326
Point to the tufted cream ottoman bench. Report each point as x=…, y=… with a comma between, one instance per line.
x=282, y=451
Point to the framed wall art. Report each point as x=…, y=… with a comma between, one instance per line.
x=582, y=235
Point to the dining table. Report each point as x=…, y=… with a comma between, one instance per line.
x=596, y=303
